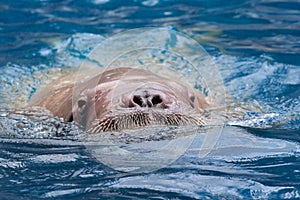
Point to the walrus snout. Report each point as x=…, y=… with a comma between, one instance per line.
x=121, y=100
x=149, y=98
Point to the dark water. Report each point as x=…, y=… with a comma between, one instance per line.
x=256, y=44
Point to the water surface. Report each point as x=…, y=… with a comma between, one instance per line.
x=256, y=45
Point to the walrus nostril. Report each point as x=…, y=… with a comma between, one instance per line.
x=146, y=100
x=156, y=100
x=138, y=100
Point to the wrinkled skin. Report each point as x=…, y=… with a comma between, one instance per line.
x=125, y=98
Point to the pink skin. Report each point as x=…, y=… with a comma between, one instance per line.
x=127, y=90
x=124, y=92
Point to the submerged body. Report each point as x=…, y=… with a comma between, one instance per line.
x=123, y=98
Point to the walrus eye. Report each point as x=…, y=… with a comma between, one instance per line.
x=81, y=103
x=192, y=98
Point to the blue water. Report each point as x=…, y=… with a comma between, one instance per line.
x=256, y=43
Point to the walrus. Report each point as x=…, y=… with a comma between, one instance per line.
x=123, y=98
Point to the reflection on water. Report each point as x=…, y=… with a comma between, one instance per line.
x=241, y=165
x=256, y=45
x=240, y=27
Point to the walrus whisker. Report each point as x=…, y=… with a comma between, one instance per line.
x=141, y=119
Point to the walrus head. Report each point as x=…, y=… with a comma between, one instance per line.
x=126, y=98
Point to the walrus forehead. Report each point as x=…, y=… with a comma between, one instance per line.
x=117, y=82
x=133, y=76
x=124, y=73
x=121, y=87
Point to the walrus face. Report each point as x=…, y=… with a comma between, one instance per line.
x=127, y=98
